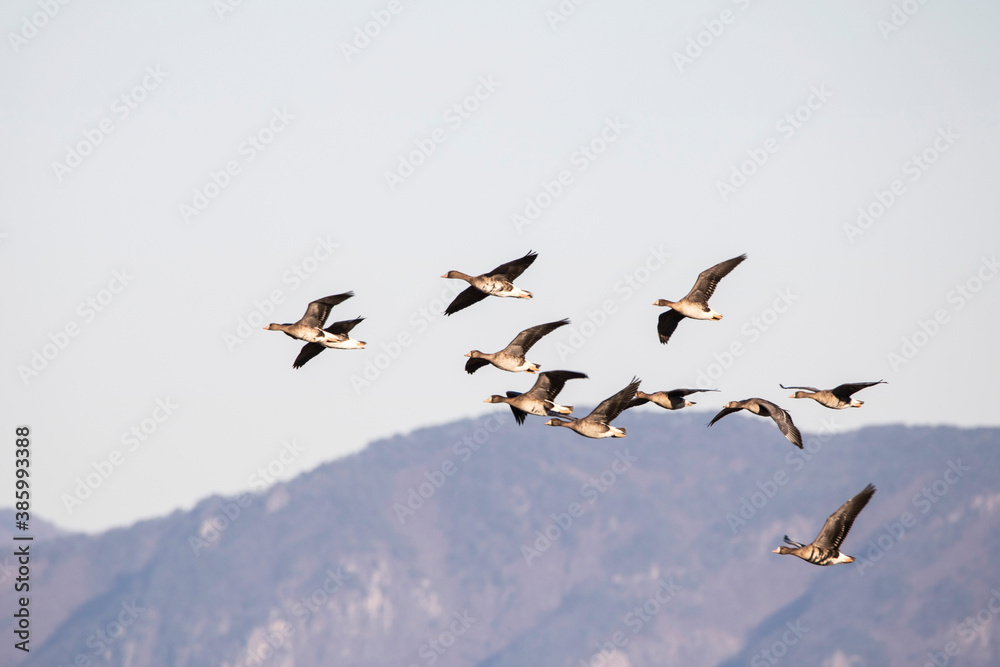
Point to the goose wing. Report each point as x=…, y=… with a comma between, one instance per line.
x=708, y=279
x=519, y=414
x=523, y=341
x=308, y=351
x=474, y=364
x=783, y=420
x=344, y=326
x=513, y=269
x=844, y=391
x=839, y=523
x=319, y=310
x=686, y=392
x=465, y=298
x=666, y=324
x=613, y=406
x=722, y=413
x=550, y=383
x=812, y=389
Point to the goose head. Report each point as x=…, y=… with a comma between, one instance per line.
x=664, y=303
x=495, y=399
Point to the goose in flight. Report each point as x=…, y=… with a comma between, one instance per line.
x=825, y=549
x=310, y=329
x=695, y=304
x=598, y=423
x=498, y=282
x=837, y=398
x=511, y=358
x=540, y=399
x=762, y=408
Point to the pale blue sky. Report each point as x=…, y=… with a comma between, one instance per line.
x=267, y=92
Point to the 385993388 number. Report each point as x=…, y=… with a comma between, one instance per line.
x=22, y=487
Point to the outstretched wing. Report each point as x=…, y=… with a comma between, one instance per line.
x=308, y=351
x=465, y=298
x=722, y=413
x=812, y=389
x=523, y=341
x=783, y=420
x=519, y=414
x=550, y=383
x=513, y=269
x=613, y=406
x=319, y=310
x=344, y=326
x=686, y=392
x=708, y=279
x=839, y=523
x=844, y=391
x=666, y=324
x=474, y=364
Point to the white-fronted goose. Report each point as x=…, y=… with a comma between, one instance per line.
x=338, y=339
x=825, y=549
x=539, y=400
x=695, y=304
x=762, y=408
x=511, y=358
x=671, y=400
x=837, y=398
x=498, y=282
x=310, y=329
x=598, y=423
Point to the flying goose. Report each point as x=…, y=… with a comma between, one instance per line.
x=837, y=398
x=598, y=423
x=695, y=304
x=539, y=400
x=498, y=282
x=763, y=408
x=338, y=339
x=825, y=549
x=310, y=329
x=511, y=358
x=671, y=400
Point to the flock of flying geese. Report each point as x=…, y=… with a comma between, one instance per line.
x=540, y=398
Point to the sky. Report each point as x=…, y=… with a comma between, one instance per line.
x=176, y=177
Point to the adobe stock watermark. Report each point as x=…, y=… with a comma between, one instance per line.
x=105, y=637
x=435, y=647
x=751, y=330
x=307, y=605
x=370, y=30
x=636, y=619
x=773, y=654
x=419, y=321
x=417, y=496
x=294, y=277
x=592, y=489
x=246, y=152
x=33, y=23
x=971, y=627
x=786, y=128
x=87, y=310
x=927, y=329
x=893, y=532
x=121, y=108
x=913, y=168
x=703, y=39
x=770, y=487
x=630, y=284
x=264, y=643
x=582, y=157
x=454, y=117
x=135, y=437
x=899, y=16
